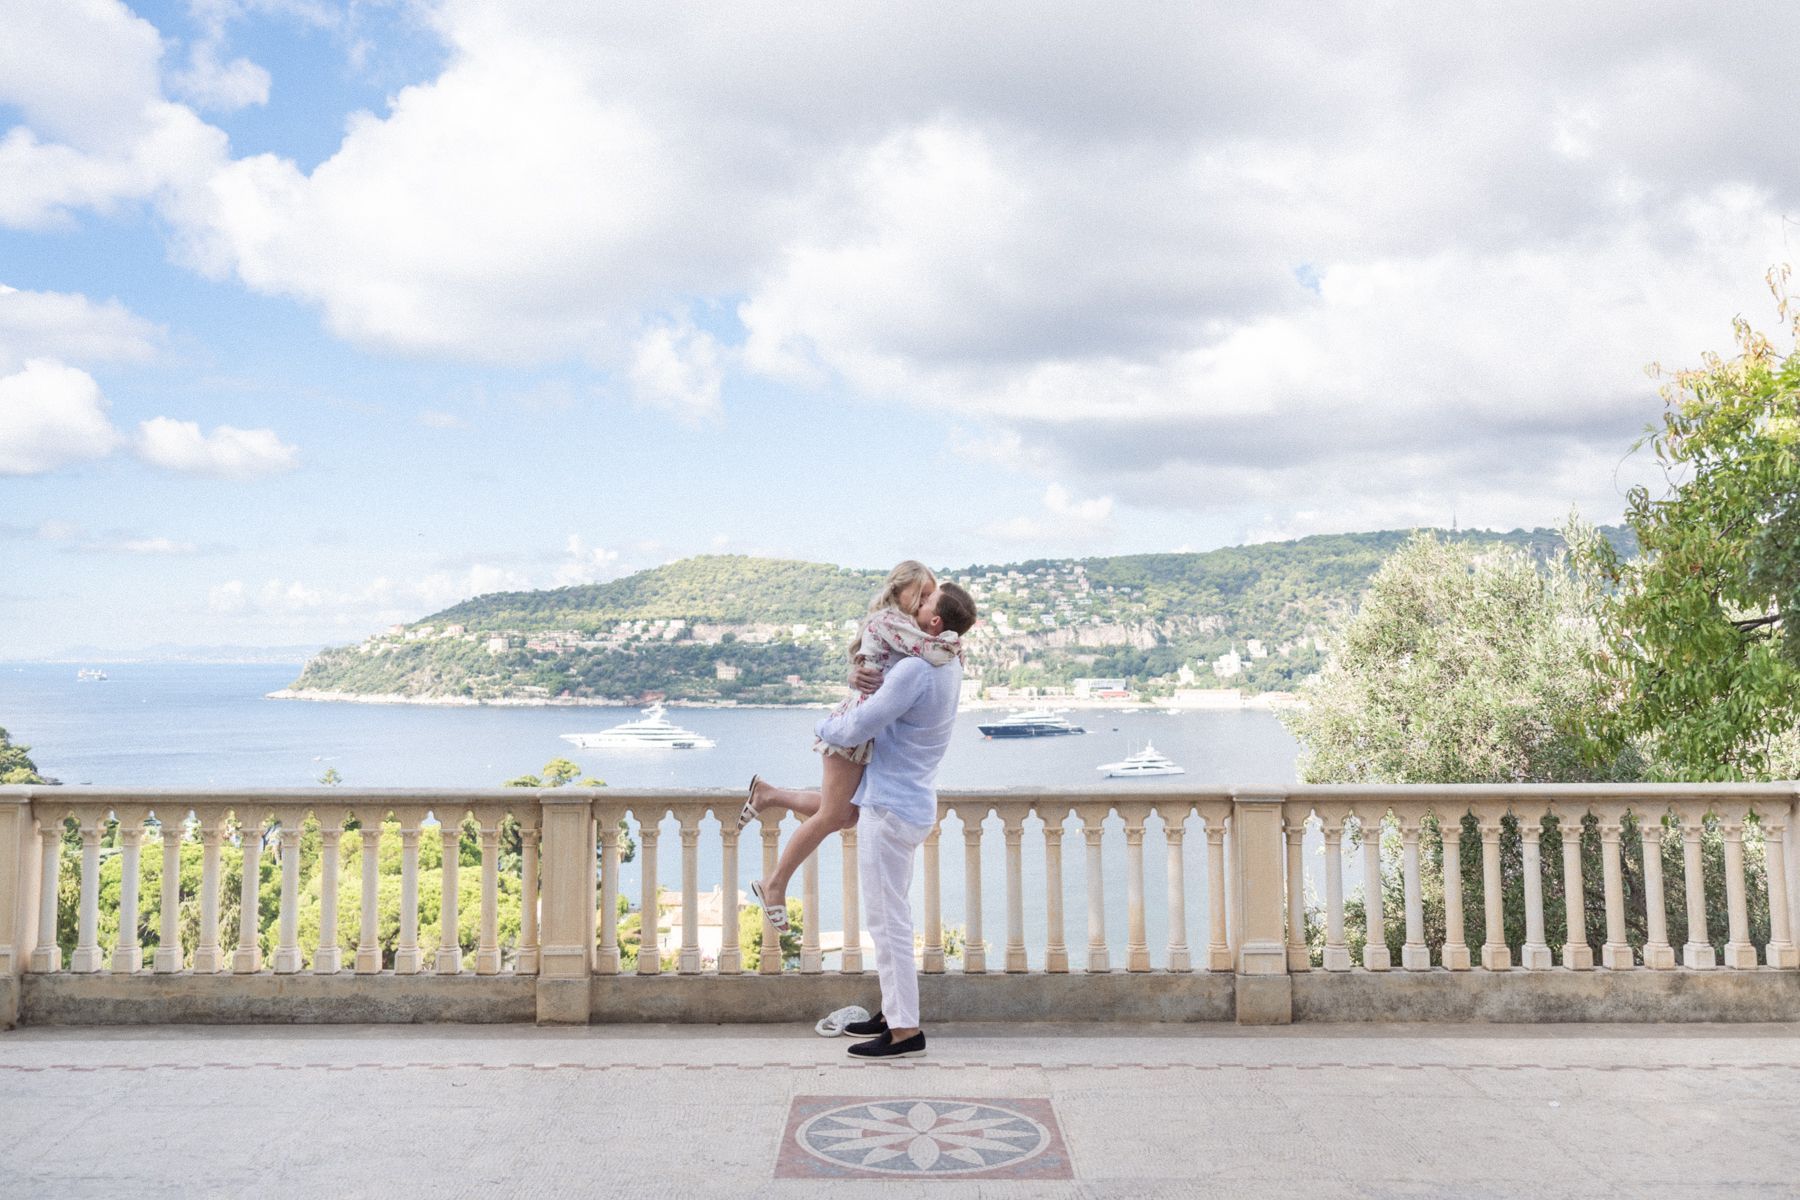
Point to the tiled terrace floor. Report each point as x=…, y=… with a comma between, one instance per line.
x=1051, y=1111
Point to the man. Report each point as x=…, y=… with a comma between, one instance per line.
x=910, y=718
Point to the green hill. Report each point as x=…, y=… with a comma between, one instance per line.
x=730, y=628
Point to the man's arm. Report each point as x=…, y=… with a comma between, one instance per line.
x=898, y=693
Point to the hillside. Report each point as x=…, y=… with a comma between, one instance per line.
x=733, y=629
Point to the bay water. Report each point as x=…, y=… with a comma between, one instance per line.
x=210, y=726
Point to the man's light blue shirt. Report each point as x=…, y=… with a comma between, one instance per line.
x=910, y=717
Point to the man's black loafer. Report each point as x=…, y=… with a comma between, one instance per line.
x=886, y=1047
x=874, y=1025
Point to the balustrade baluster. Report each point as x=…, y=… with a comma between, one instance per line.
x=649, y=959
x=168, y=956
x=1137, y=943
x=1415, y=955
x=1496, y=955
x=1299, y=955
x=974, y=946
x=1097, y=958
x=1698, y=954
x=1015, y=891
x=688, y=963
x=1658, y=954
x=287, y=925
x=1456, y=947
x=1337, y=949
x=1056, y=950
x=731, y=954
x=209, y=955
x=934, y=911
x=1218, y=946
x=408, y=959
x=327, y=958
x=368, y=937
x=487, y=946
x=1781, y=952
x=1615, y=955
x=248, y=958
x=1376, y=955
x=1535, y=954
x=1180, y=959
x=1577, y=955
x=606, y=961
x=852, y=960
x=812, y=959
x=1740, y=951
x=770, y=962
x=128, y=951
x=449, y=955
x=527, y=962
x=46, y=956
x=87, y=947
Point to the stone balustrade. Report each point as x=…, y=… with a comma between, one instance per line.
x=1268, y=869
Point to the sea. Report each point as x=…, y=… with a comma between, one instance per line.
x=210, y=725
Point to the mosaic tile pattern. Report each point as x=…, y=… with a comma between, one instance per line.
x=923, y=1137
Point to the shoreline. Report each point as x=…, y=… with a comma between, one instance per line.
x=1264, y=701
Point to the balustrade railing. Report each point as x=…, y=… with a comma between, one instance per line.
x=1257, y=882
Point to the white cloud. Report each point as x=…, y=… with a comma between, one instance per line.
x=221, y=87
x=68, y=326
x=226, y=453
x=146, y=546
x=583, y=564
x=677, y=368
x=435, y=419
x=51, y=415
x=1064, y=521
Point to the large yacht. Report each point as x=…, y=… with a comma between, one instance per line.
x=1036, y=723
x=653, y=730
x=90, y=675
x=1144, y=763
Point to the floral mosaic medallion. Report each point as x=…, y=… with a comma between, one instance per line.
x=927, y=1137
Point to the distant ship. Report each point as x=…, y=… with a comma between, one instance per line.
x=653, y=731
x=1038, y=723
x=90, y=675
x=1144, y=763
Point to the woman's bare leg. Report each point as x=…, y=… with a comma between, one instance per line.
x=835, y=812
x=804, y=802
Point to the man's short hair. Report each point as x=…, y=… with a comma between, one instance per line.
x=956, y=608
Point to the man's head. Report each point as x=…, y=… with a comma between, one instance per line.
x=948, y=608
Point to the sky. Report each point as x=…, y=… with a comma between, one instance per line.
x=317, y=316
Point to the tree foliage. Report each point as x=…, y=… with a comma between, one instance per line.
x=1701, y=642
x=15, y=762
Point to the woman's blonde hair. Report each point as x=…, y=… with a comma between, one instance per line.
x=908, y=574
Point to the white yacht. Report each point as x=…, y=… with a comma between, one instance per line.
x=90, y=675
x=1037, y=723
x=1145, y=762
x=653, y=730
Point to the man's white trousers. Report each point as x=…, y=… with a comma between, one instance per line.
x=886, y=848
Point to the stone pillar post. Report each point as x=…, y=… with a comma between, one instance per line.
x=46, y=956
x=1577, y=955
x=209, y=955
x=567, y=868
x=1337, y=950
x=1097, y=958
x=368, y=940
x=1456, y=948
x=487, y=949
x=449, y=954
x=1299, y=955
x=1265, y=994
x=1496, y=955
x=527, y=963
x=974, y=944
x=1698, y=954
x=1218, y=945
x=328, y=956
x=1781, y=951
x=287, y=938
x=247, y=960
x=1056, y=950
x=606, y=959
x=19, y=884
x=1015, y=891
x=1658, y=954
x=1415, y=955
x=1137, y=945
x=1740, y=951
x=168, y=956
x=408, y=958
x=1376, y=955
x=933, y=963
x=128, y=951
x=1615, y=955
x=87, y=959
x=687, y=961
x=649, y=959
x=1180, y=957
x=1535, y=954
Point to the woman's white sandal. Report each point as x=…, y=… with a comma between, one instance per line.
x=750, y=812
x=774, y=914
